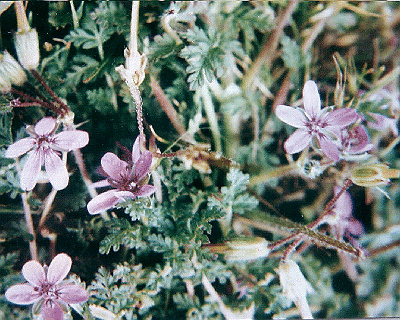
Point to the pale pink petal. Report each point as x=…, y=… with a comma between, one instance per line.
x=355, y=227
x=59, y=268
x=102, y=202
x=328, y=147
x=34, y=273
x=291, y=116
x=142, y=166
x=50, y=310
x=146, y=190
x=72, y=293
x=311, y=99
x=100, y=184
x=70, y=140
x=344, y=204
x=136, y=150
x=341, y=117
x=20, y=147
x=55, y=169
x=31, y=170
x=114, y=166
x=45, y=126
x=361, y=143
x=22, y=294
x=297, y=141
x=122, y=195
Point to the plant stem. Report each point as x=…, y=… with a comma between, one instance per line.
x=47, y=207
x=167, y=106
x=211, y=116
x=269, y=47
x=29, y=225
x=28, y=219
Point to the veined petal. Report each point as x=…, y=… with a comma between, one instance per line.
x=102, y=202
x=50, y=310
x=341, y=117
x=56, y=171
x=20, y=147
x=72, y=293
x=22, y=294
x=311, y=99
x=114, y=166
x=34, y=273
x=146, y=190
x=291, y=116
x=142, y=166
x=30, y=172
x=298, y=141
x=70, y=140
x=45, y=126
x=136, y=150
x=328, y=147
x=59, y=268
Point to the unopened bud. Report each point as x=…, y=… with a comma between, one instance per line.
x=373, y=175
x=27, y=46
x=247, y=249
x=10, y=71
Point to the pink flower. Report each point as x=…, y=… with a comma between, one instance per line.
x=128, y=179
x=45, y=147
x=46, y=290
x=313, y=122
x=356, y=140
x=344, y=223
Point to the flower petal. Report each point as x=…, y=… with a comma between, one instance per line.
x=59, y=268
x=70, y=140
x=22, y=294
x=50, y=310
x=34, y=273
x=142, y=166
x=341, y=117
x=45, y=126
x=298, y=141
x=114, y=166
x=56, y=171
x=328, y=147
x=31, y=170
x=146, y=190
x=20, y=147
x=311, y=99
x=291, y=116
x=136, y=150
x=72, y=293
x=102, y=202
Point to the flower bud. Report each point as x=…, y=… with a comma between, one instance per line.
x=373, y=175
x=247, y=249
x=10, y=71
x=27, y=46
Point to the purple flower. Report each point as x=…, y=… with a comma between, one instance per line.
x=313, y=122
x=128, y=179
x=45, y=147
x=46, y=290
x=356, y=140
x=345, y=224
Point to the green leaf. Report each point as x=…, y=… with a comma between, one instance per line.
x=5, y=128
